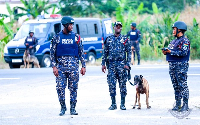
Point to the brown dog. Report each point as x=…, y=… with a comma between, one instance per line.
x=142, y=87
x=29, y=58
x=132, y=55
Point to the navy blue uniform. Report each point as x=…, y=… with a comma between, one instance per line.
x=66, y=51
x=135, y=36
x=117, y=54
x=32, y=41
x=178, y=66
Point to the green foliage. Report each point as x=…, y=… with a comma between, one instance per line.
x=70, y=8
x=172, y=6
x=146, y=51
x=2, y=44
x=5, y=40
x=193, y=34
x=11, y=14
x=155, y=8
x=35, y=7
x=7, y=29
x=109, y=7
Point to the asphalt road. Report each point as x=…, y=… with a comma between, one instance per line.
x=28, y=97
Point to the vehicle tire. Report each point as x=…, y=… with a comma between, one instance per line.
x=91, y=58
x=12, y=66
x=46, y=61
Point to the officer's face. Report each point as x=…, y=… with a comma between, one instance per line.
x=70, y=27
x=118, y=29
x=31, y=34
x=174, y=31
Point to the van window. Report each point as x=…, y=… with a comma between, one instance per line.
x=40, y=30
x=95, y=29
x=83, y=30
x=77, y=29
x=57, y=28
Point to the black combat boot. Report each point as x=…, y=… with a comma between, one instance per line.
x=138, y=61
x=63, y=108
x=122, y=106
x=72, y=108
x=113, y=105
x=177, y=106
x=185, y=105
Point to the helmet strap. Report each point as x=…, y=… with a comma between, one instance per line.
x=177, y=32
x=66, y=27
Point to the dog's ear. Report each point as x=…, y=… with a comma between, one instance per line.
x=141, y=76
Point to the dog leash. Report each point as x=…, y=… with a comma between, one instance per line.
x=129, y=76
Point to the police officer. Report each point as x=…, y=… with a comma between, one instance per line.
x=31, y=42
x=66, y=50
x=135, y=40
x=177, y=54
x=116, y=57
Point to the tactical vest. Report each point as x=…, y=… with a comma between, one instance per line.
x=30, y=40
x=67, y=45
x=174, y=46
x=134, y=35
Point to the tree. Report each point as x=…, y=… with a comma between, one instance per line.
x=70, y=8
x=91, y=7
x=35, y=7
x=109, y=7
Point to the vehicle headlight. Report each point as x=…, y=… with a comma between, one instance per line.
x=37, y=47
x=6, y=50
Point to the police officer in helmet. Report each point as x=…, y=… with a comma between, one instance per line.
x=178, y=54
x=135, y=34
x=31, y=42
x=66, y=51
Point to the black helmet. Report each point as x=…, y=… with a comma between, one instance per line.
x=67, y=19
x=117, y=23
x=31, y=31
x=180, y=25
x=133, y=24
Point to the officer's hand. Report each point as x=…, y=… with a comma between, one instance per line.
x=55, y=71
x=30, y=47
x=164, y=52
x=103, y=68
x=126, y=67
x=136, y=41
x=168, y=51
x=27, y=44
x=83, y=70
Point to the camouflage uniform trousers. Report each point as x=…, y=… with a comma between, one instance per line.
x=68, y=75
x=116, y=72
x=178, y=74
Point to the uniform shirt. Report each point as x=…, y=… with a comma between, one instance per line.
x=180, y=49
x=117, y=49
x=54, y=43
x=134, y=35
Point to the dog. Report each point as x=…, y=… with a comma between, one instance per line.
x=132, y=55
x=29, y=58
x=142, y=87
